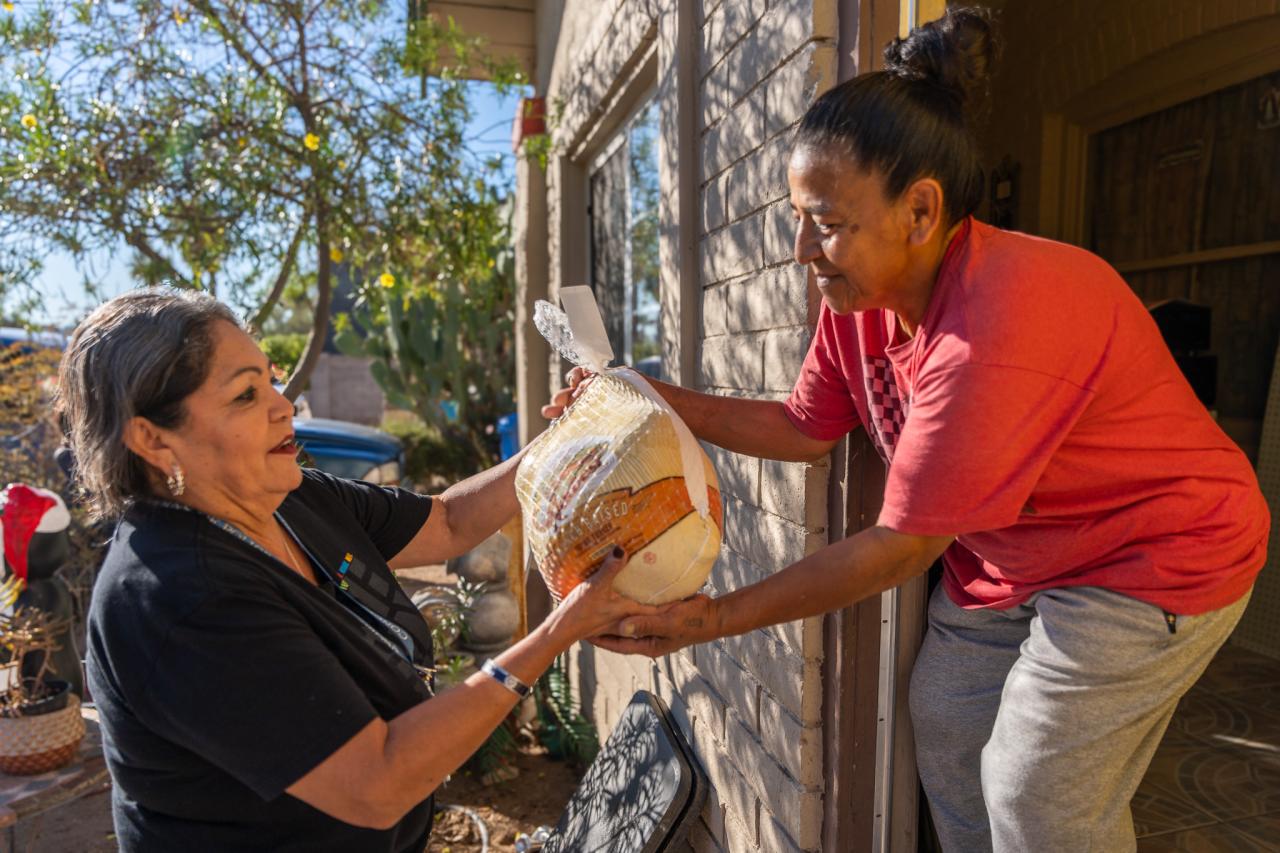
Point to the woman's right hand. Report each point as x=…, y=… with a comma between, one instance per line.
x=593, y=605
x=577, y=379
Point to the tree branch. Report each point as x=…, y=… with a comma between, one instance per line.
x=140, y=243
x=320, y=325
x=238, y=46
x=282, y=277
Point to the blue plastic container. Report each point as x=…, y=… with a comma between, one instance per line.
x=508, y=436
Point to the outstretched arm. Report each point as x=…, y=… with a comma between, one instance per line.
x=464, y=516
x=758, y=428
x=841, y=574
x=390, y=766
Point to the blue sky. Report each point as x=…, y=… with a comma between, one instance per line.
x=61, y=280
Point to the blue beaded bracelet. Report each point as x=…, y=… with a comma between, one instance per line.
x=505, y=678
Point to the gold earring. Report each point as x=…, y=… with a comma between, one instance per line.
x=177, y=481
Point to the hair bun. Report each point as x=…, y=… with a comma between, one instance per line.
x=957, y=52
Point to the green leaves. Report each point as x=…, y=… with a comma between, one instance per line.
x=180, y=130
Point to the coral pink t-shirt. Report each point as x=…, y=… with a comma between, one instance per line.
x=1038, y=416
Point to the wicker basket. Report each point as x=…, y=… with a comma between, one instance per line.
x=30, y=745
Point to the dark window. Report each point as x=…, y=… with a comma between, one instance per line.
x=624, y=242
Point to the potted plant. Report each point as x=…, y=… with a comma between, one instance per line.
x=40, y=723
x=447, y=609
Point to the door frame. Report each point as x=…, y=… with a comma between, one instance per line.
x=872, y=787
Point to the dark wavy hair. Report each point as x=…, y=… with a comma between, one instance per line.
x=142, y=353
x=914, y=118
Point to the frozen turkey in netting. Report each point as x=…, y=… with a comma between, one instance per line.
x=618, y=468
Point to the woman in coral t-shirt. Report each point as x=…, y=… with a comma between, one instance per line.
x=1100, y=534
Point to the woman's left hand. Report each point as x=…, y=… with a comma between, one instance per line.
x=594, y=605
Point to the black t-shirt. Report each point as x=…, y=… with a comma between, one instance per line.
x=222, y=677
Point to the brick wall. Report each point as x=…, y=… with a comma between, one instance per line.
x=750, y=705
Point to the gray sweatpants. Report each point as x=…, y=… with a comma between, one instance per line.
x=1035, y=725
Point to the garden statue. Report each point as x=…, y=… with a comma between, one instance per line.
x=33, y=544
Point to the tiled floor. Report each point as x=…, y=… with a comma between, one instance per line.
x=1214, y=784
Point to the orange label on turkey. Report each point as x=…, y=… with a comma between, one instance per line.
x=626, y=517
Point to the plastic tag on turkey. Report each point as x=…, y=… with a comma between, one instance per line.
x=618, y=468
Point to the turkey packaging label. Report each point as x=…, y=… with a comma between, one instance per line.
x=621, y=468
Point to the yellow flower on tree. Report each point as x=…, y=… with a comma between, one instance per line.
x=387, y=280
x=8, y=7
x=335, y=255
x=311, y=141
x=178, y=17
x=29, y=121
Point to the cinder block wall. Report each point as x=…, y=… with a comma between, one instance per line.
x=750, y=705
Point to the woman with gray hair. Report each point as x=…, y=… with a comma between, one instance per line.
x=261, y=677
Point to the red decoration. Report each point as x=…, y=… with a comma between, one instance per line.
x=531, y=120
x=21, y=509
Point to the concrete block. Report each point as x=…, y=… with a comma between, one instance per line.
x=733, y=77
x=732, y=251
x=758, y=179
x=715, y=311
x=785, y=492
x=784, y=350
x=796, y=491
x=794, y=86
x=774, y=838
x=814, y=542
x=785, y=797
x=712, y=816
x=707, y=257
x=725, y=27
x=797, y=635
x=779, y=229
x=804, y=827
x=794, y=745
x=771, y=299
x=762, y=537
x=734, y=136
x=778, y=670
x=734, y=571
x=728, y=679
x=739, y=475
x=787, y=27
x=695, y=693
x=735, y=794
x=733, y=361
x=713, y=204
x=740, y=832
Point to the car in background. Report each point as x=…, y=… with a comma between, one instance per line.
x=350, y=450
x=26, y=341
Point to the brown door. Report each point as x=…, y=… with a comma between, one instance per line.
x=1184, y=203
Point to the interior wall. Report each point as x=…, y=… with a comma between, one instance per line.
x=1099, y=63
